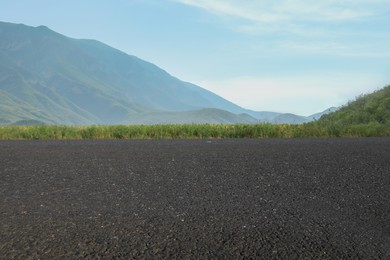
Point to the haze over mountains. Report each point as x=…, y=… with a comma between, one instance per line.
x=50, y=78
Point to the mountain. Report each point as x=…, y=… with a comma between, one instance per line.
x=319, y=115
x=202, y=116
x=50, y=78
x=288, y=118
x=373, y=108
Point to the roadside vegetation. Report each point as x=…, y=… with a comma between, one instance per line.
x=148, y=131
x=191, y=131
x=367, y=116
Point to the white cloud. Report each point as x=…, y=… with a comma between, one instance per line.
x=276, y=11
x=293, y=16
x=327, y=33
x=329, y=27
x=241, y=9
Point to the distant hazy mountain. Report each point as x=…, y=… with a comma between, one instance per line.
x=288, y=118
x=206, y=115
x=50, y=78
x=319, y=115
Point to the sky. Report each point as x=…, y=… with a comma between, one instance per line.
x=296, y=56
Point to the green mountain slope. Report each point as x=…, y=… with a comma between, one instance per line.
x=48, y=77
x=371, y=108
x=40, y=80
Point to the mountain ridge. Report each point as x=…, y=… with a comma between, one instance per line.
x=46, y=76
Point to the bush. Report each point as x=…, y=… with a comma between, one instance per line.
x=314, y=129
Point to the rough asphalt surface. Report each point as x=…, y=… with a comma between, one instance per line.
x=197, y=199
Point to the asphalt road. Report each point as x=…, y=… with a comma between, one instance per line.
x=196, y=199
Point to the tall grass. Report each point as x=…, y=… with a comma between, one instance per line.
x=53, y=132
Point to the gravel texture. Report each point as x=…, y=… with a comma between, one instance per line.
x=195, y=199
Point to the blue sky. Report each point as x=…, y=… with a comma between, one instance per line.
x=298, y=56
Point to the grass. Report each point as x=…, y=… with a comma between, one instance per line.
x=54, y=132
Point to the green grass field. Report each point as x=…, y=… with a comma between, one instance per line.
x=52, y=132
